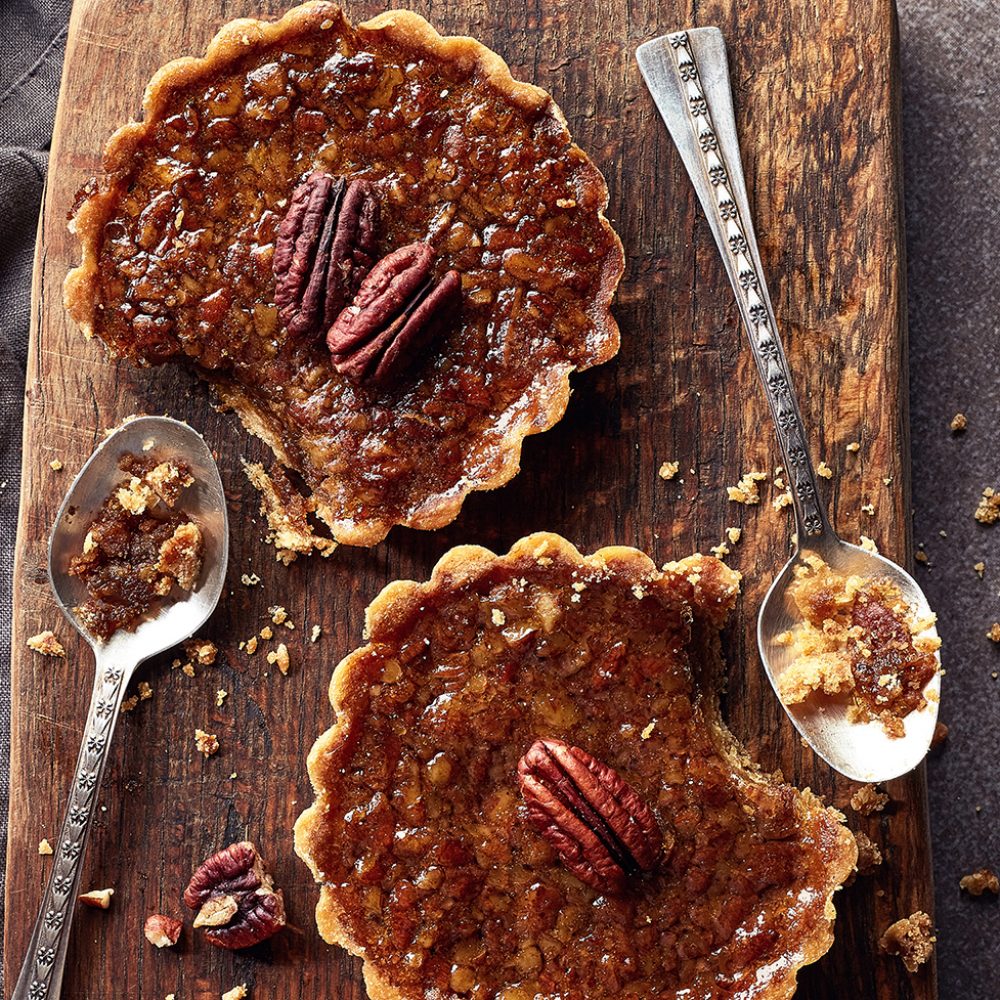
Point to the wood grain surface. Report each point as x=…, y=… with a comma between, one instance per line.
x=817, y=93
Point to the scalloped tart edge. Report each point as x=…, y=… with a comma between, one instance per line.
x=712, y=590
x=549, y=392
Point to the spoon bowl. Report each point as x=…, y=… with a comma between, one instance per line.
x=860, y=750
x=117, y=658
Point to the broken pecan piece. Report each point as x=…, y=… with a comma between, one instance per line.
x=603, y=831
x=235, y=898
x=398, y=309
x=325, y=246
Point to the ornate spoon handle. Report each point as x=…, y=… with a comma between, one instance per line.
x=687, y=75
x=42, y=972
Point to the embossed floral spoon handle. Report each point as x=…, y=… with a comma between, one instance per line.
x=42, y=972
x=687, y=75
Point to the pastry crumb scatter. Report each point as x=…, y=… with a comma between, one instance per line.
x=988, y=511
x=648, y=731
x=316, y=632
x=980, y=568
x=267, y=633
x=44, y=847
x=747, y=491
x=983, y=880
x=251, y=645
x=921, y=556
x=236, y=993
x=220, y=696
x=287, y=512
x=868, y=799
x=278, y=614
x=824, y=470
x=911, y=938
x=498, y=617
x=47, y=644
x=959, y=422
x=207, y=743
x=55, y=465
x=145, y=691
x=868, y=508
x=188, y=670
x=869, y=855
x=856, y=637
x=249, y=579
x=994, y=632
x=669, y=469
x=720, y=551
x=129, y=704
x=782, y=500
x=854, y=447
x=734, y=535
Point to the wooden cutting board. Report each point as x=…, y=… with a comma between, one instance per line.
x=817, y=95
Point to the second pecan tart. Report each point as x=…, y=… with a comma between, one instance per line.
x=179, y=237
x=433, y=867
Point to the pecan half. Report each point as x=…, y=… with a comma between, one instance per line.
x=603, y=831
x=325, y=246
x=398, y=309
x=235, y=898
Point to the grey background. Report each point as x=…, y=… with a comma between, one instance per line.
x=951, y=73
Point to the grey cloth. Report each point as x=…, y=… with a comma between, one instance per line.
x=951, y=55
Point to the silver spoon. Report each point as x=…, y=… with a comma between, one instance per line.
x=116, y=660
x=687, y=75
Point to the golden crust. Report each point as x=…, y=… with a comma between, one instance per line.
x=710, y=588
x=544, y=403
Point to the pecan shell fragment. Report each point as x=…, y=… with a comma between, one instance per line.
x=235, y=898
x=324, y=248
x=398, y=309
x=601, y=828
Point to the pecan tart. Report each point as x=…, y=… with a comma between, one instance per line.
x=529, y=791
x=384, y=253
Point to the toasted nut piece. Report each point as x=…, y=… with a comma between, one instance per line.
x=161, y=930
x=99, y=899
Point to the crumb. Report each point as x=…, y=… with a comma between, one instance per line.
x=280, y=657
x=940, y=735
x=498, y=617
x=824, y=470
x=236, y=993
x=129, y=704
x=315, y=633
x=278, y=614
x=782, y=500
x=959, y=422
x=55, y=465
x=249, y=579
x=47, y=644
x=648, y=731
x=202, y=651
x=921, y=556
x=988, y=511
x=868, y=544
x=137, y=497
x=746, y=491
x=267, y=632
x=145, y=691
x=638, y=591
x=994, y=632
x=980, y=568
x=669, y=469
x=180, y=555
x=44, y=847
x=867, y=800
x=207, y=743
x=734, y=535
x=854, y=447
x=98, y=899
x=720, y=551
x=220, y=697
x=911, y=939
x=188, y=670
x=983, y=880
x=868, y=508
x=251, y=645
x=869, y=855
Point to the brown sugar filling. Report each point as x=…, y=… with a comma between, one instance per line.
x=857, y=638
x=500, y=191
x=137, y=548
x=421, y=839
